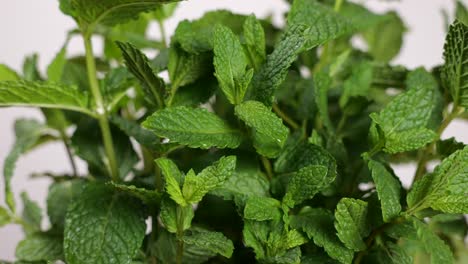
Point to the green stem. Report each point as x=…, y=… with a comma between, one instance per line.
x=163, y=32
x=285, y=117
x=267, y=165
x=173, y=91
x=180, y=234
x=100, y=108
x=429, y=150
x=66, y=143
x=338, y=4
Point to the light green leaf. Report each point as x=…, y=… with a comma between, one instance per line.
x=89, y=13
x=7, y=74
x=40, y=247
x=358, y=84
x=31, y=215
x=446, y=188
x=28, y=132
x=262, y=208
x=37, y=94
x=436, y=247
x=461, y=13
x=307, y=182
x=455, y=69
x=274, y=71
x=388, y=190
x=194, y=127
x=212, y=177
x=230, y=64
x=359, y=16
x=59, y=197
x=103, y=226
x=149, y=197
x=269, y=133
x=324, y=23
x=141, y=135
x=295, y=238
x=386, y=38
x=171, y=212
x=254, y=38
x=138, y=64
x=351, y=223
x=5, y=216
x=405, y=119
x=215, y=242
x=165, y=11
x=173, y=178
x=318, y=225
x=56, y=67
x=322, y=83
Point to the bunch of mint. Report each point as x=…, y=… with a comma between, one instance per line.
x=256, y=147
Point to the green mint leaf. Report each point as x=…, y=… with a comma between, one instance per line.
x=358, y=84
x=171, y=212
x=436, y=247
x=262, y=208
x=295, y=238
x=103, y=226
x=255, y=236
x=292, y=256
x=7, y=74
x=149, y=197
x=445, y=188
x=37, y=94
x=138, y=64
x=269, y=239
x=40, y=247
x=318, y=225
x=5, y=217
x=307, y=182
x=30, y=68
x=445, y=147
x=89, y=13
x=388, y=190
x=461, y=13
x=215, y=242
x=212, y=177
x=351, y=223
x=173, y=179
x=324, y=23
x=269, y=133
x=32, y=215
x=197, y=93
x=185, y=68
x=194, y=127
x=230, y=64
x=59, y=197
x=405, y=119
x=165, y=11
x=360, y=17
x=386, y=38
x=254, y=38
x=28, y=132
x=322, y=83
x=274, y=71
x=197, y=36
x=396, y=254
x=56, y=67
x=141, y=135
x=454, y=71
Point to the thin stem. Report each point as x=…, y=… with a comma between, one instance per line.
x=173, y=91
x=163, y=32
x=267, y=165
x=180, y=234
x=285, y=117
x=338, y=4
x=66, y=143
x=100, y=108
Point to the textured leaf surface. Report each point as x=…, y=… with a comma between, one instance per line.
x=358, y=84
x=59, y=197
x=103, y=226
x=108, y=12
x=269, y=132
x=36, y=94
x=171, y=212
x=173, y=178
x=194, y=127
x=274, y=71
x=213, y=241
x=212, y=177
x=254, y=37
x=32, y=215
x=39, y=247
x=324, y=23
x=436, y=247
x=322, y=82
x=351, y=223
x=141, y=135
x=405, y=119
x=262, y=208
x=318, y=225
x=446, y=188
x=7, y=74
x=388, y=190
x=138, y=64
x=27, y=133
x=230, y=64
x=455, y=69
x=149, y=197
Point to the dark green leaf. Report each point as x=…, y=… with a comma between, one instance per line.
x=254, y=38
x=171, y=212
x=141, y=135
x=40, y=246
x=32, y=215
x=262, y=208
x=59, y=197
x=215, y=242
x=351, y=223
x=173, y=179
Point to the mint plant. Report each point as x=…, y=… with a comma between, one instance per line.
x=254, y=149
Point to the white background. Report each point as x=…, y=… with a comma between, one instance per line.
x=29, y=26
